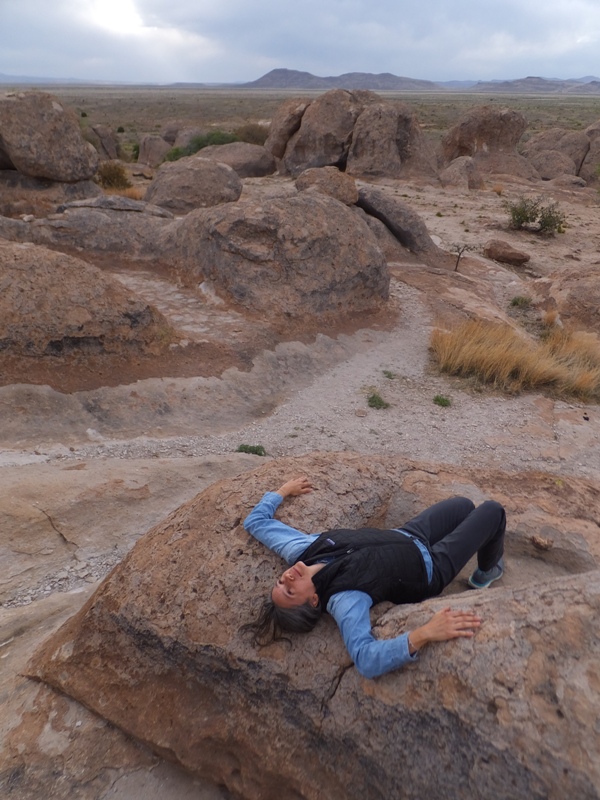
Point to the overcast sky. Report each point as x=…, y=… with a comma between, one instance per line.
x=162, y=41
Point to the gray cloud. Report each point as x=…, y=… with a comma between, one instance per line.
x=234, y=40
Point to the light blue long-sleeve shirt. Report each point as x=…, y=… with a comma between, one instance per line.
x=350, y=609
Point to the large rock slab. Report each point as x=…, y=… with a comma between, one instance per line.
x=387, y=140
x=160, y=651
x=51, y=304
x=153, y=150
x=299, y=256
x=284, y=124
x=41, y=138
x=193, y=182
x=248, y=160
x=325, y=132
x=405, y=224
x=329, y=181
x=573, y=145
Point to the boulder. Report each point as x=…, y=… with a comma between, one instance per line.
x=284, y=124
x=170, y=130
x=576, y=297
x=462, y=173
x=153, y=150
x=505, y=253
x=105, y=141
x=552, y=163
x=52, y=304
x=193, y=182
x=160, y=651
x=574, y=145
x=406, y=225
x=330, y=181
x=325, y=132
x=297, y=257
x=41, y=138
x=482, y=130
x=388, y=244
x=20, y=194
x=387, y=140
x=591, y=165
x=248, y=160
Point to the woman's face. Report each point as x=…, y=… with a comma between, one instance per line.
x=295, y=587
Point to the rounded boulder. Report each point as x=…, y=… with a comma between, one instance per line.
x=193, y=182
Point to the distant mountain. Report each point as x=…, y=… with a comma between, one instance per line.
x=293, y=79
x=535, y=85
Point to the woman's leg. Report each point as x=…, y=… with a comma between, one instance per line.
x=439, y=520
x=481, y=532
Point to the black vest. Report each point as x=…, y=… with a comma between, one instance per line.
x=385, y=564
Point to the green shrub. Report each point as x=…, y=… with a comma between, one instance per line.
x=530, y=212
x=112, y=175
x=84, y=113
x=120, y=129
x=520, y=302
x=254, y=449
x=135, y=151
x=441, y=400
x=375, y=400
x=389, y=374
x=199, y=142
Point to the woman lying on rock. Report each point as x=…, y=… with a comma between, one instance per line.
x=345, y=572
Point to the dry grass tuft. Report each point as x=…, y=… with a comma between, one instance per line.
x=566, y=363
x=132, y=192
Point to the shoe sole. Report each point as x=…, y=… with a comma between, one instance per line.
x=475, y=585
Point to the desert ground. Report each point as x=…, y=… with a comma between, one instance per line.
x=75, y=496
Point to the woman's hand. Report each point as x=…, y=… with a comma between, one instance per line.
x=295, y=487
x=444, y=625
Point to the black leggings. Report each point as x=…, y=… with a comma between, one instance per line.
x=454, y=530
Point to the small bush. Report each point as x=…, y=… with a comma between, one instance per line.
x=389, y=374
x=252, y=133
x=527, y=212
x=375, y=400
x=112, y=175
x=120, y=129
x=442, y=400
x=135, y=151
x=84, y=113
x=199, y=142
x=254, y=449
x=520, y=302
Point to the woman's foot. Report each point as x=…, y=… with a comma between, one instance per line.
x=481, y=579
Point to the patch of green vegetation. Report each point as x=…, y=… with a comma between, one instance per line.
x=199, y=142
x=520, y=302
x=389, y=374
x=528, y=212
x=439, y=214
x=375, y=400
x=112, y=175
x=442, y=400
x=253, y=449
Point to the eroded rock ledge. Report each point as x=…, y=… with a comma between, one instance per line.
x=159, y=649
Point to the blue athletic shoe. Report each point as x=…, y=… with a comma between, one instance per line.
x=481, y=580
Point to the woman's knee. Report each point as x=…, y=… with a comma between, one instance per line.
x=493, y=509
x=463, y=504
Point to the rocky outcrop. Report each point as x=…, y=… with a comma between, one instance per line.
x=52, y=304
x=41, y=138
x=160, y=650
x=591, y=165
x=552, y=164
x=572, y=145
x=405, y=224
x=505, y=253
x=284, y=124
x=576, y=297
x=490, y=136
x=330, y=181
x=248, y=160
x=325, y=132
x=462, y=173
x=293, y=257
x=193, y=182
x=153, y=150
x=21, y=195
x=387, y=141
x=105, y=141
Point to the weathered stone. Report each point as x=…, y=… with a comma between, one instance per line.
x=574, y=145
x=576, y=297
x=170, y=130
x=483, y=129
x=325, y=132
x=387, y=140
x=284, y=124
x=591, y=165
x=41, y=138
x=463, y=173
x=105, y=141
x=330, y=181
x=298, y=256
x=153, y=150
x=552, y=163
x=406, y=225
x=388, y=244
x=20, y=194
x=510, y=713
x=248, y=160
x=51, y=304
x=115, y=202
x=193, y=182
x=505, y=253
